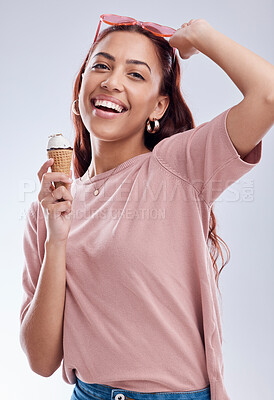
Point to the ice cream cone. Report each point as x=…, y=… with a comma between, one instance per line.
x=59, y=149
x=62, y=162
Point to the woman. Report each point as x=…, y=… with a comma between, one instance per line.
x=120, y=276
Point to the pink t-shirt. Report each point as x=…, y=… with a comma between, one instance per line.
x=141, y=310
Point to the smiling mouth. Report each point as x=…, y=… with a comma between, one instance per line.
x=107, y=109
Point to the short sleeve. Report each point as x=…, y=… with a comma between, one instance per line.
x=206, y=158
x=32, y=263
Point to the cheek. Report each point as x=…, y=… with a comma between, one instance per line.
x=141, y=99
x=85, y=92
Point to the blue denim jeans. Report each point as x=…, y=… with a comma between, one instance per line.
x=96, y=391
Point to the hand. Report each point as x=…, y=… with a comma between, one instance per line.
x=56, y=203
x=182, y=39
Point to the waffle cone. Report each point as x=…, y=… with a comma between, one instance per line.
x=62, y=162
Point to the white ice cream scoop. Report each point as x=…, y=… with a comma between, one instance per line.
x=58, y=141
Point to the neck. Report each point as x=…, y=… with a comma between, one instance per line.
x=101, y=164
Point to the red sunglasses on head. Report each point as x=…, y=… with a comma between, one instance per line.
x=156, y=29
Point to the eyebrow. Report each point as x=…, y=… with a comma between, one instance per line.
x=110, y=57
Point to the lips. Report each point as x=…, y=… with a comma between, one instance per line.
x=109, y=98
x=111, y=110
x=105, y=114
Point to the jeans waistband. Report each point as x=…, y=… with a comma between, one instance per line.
x=105, y=392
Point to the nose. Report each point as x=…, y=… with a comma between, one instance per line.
x=113, y=82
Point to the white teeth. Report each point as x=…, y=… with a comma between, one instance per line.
x=108, y=104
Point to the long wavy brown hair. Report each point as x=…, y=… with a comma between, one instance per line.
x=177, y=118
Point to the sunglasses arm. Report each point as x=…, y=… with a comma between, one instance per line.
x=98, y=29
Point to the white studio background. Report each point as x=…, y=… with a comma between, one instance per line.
x=43, y=46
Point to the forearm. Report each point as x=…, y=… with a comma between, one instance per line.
x=41, y=333
x=251, y=73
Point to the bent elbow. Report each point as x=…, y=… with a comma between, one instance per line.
x=41, y=370
x=39, y=364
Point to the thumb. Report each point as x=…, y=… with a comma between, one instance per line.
x=69, y=185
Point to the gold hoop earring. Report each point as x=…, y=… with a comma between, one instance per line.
x=73, y=107
x=156, y=126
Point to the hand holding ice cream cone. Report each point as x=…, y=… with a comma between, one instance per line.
x=56, y=203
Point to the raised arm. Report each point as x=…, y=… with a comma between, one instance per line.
x=250, y=120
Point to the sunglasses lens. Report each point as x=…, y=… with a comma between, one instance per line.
x=117, y=19
x=159, y=29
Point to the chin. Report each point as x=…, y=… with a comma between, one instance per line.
x=106, y=134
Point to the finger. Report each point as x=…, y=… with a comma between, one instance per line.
x=46, y=200
x=61, y=193
x=56, y=209
x=44, y=168
x=47, y=178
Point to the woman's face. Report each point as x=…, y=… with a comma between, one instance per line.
x=136, y=85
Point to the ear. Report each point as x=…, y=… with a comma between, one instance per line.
x=160, y=108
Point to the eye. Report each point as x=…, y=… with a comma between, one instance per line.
x=96, y=65
x=137, y=75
